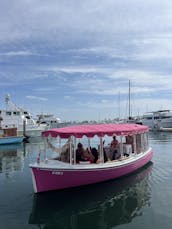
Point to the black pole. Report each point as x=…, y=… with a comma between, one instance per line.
x=24, y=128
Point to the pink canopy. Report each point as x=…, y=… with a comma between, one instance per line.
x=99, y=129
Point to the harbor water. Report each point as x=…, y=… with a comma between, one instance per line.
x=140, y=200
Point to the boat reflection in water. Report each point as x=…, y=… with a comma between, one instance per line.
x=101, y=205
x=11, y=158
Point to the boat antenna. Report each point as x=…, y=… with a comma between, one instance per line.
x=7, y=99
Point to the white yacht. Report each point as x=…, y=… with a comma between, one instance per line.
x=14, y=116
x=49, y=119
x=157, y=120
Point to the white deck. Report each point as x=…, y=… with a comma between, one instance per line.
x=56, y=164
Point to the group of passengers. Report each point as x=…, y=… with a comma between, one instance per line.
x=92, y=155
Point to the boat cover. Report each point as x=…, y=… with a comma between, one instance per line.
x=98, y=129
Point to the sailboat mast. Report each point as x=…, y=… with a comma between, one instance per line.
x=119, y=111
x=129, y=106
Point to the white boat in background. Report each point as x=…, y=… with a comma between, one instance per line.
x=157, y=120
x=48, y=119
x=15, y=116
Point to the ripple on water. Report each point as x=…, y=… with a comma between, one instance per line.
x=161, y=144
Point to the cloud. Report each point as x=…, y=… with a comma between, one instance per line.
x=81, y=54
x=67, y=97
x=61, y=20
x=153, y=80
x=142, y=82
x=154, y=47
x=77, y=69
x=32, y=97
x=45, y=89
x=17, y=53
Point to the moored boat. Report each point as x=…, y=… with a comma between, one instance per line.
x=9, y=136
x=15, y=116
x=66, y=171
x=49, y=119
x=158, y=120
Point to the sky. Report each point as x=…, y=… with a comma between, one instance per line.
x=75, y=58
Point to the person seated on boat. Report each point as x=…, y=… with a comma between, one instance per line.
x=79, y=152
x=65, y=155
x=114, y=143
x=88, y=156
x=114, y=147
x=83, y=154
x=95, y=154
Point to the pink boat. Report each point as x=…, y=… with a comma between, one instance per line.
x=66, y=172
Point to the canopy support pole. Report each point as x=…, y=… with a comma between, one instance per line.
x=88, y=142
x=121, y=146
x=146, y=140
x=135, y=148
x=45, y=150
x=141, y=142
x=101, y=151
x=70, y=149
x=74, y=153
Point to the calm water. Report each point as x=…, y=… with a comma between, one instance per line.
x=141, y=200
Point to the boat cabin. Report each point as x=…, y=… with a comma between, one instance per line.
x=6, y=132
x=96, y=142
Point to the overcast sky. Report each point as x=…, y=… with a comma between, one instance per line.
x=74, y=58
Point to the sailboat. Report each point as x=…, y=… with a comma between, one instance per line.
x=130, y=118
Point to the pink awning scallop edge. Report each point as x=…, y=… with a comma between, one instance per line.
x=98, y=129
